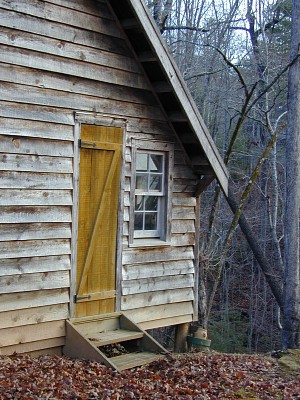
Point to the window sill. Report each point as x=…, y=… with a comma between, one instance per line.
x=148, y=242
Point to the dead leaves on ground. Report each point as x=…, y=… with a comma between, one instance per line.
x=190, y=376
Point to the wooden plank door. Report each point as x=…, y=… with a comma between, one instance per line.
x=99, y=183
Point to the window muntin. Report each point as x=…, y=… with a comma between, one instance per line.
x=149, y=194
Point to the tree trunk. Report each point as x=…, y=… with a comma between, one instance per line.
x=272, y=276
x=291, y=321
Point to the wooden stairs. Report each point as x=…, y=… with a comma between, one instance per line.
x=112, y=339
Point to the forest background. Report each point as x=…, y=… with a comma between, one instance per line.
x=236, y=57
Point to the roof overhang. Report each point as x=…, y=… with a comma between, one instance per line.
x=171, y=90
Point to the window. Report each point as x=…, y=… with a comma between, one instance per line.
x=152, y=189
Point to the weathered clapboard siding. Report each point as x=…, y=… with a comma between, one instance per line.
x=160, y=312
x=53, y=63
x=67, y=16
x=160, y=269
x=28, y=23
x=36, y=113
x=183, y=226
x=38, y=281
x=33, y=316
x=157, y=298
x=27, y=300
x=31, y=231
x=21, y=94
x=25, y=145
x=31, y=180
x=27, y=76
x=36, y=348
x=35, y=163
x=26, y=214
x=159, y=283
x=64, y=49
x=32, y=333
x=158, y=254
x=33, y=197
x=17, y=266
x=35, y=129
x=58, y=57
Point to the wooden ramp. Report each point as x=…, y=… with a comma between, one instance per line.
x=112, y=339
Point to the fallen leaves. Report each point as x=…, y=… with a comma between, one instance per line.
x=189, y=376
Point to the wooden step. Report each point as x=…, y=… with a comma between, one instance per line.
x=86, y=336
x=117, y=336
x=132, y=360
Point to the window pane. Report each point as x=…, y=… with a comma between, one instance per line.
x=156, y=162
x=138, y=221
x=141, y=162
x=141, y=182
x=155, y=182
x=139, y=203
x=151, y=203
x=151, y=221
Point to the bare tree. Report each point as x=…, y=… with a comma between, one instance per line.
x=291, y=325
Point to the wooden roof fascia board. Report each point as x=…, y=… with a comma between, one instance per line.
x=183, y=96
x=157, y=87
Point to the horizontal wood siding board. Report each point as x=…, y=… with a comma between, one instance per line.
x=27, y=300
x=156, y=298
x=138, y=271
x=87, y=6
x=49, y=97
x=32, y=316
x=65, y=33
x=131, y=256
x=38, y=281
x=184, y=201
x=182, y=239
x=183, y=213
x=21, y=127
x=61, y=65
x=17, y=266
x=36, y=163
x=27, y=214
x=46, y=45
x=32, y=180
x=158, y=323
x=66, y=16
x=48, y=346
x=34, y=231
x=34, y=248
x=158, y=283
x=35, y=197
x=32, y=333
x=41, y=147
x=183, y=226
x=36, y=113
x=183, y=172
x=47, y=80
x=141, y=315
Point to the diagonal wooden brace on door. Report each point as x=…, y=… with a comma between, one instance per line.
x=100, y=212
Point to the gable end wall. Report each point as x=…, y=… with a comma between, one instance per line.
x=56, y=58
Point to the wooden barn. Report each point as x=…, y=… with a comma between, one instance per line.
x=103, y=155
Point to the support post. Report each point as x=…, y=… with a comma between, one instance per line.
x=181, y=333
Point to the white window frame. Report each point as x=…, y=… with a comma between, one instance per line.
x=163, y=233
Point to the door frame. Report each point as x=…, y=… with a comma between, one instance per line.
x=107, y=121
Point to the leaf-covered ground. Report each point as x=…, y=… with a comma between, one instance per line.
x=191, y=376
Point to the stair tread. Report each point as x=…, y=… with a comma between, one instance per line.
x=116, y=336
x=94, y=318
x=132, y=360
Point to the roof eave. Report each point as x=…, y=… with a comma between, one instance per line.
x=173, y=76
